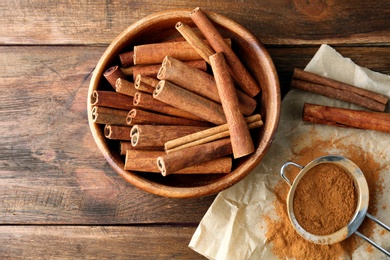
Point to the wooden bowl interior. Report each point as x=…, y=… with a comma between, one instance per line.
x=160, y=27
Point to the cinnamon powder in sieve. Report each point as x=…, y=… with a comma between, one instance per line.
x=325, y=199
x=285, y=241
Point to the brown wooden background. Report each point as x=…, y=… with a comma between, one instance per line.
x=58, y=196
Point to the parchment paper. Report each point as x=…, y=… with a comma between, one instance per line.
x=232, y=228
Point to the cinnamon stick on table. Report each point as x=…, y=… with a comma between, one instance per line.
x=169, y=163
x=335, y=89
x=200, y=83
x=208, y=135
x=236, y=68
x=343, y=117
x=157, y=135
x=145, y=161
x=240, y=136
x=176, y=96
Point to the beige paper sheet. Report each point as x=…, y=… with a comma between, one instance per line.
x=232, y=228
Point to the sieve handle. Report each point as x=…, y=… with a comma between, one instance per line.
x=369, y=240
x=373, y=243
x=284, y=167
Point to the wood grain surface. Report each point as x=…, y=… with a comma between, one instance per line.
x=58, y=196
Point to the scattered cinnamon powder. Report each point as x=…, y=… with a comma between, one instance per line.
x=285, y=241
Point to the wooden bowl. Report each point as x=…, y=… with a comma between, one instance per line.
x=160, y=26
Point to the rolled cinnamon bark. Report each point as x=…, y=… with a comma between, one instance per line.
x=236, y=68
x=154, y=53
x=183, y=99
x=125, y=87
x=115, y=132
x=106, y=115
x=339, y=94
x=200, y=83
x=112, y=74
x=126, y=145
x=128, y=72
x=141, y=86
x=200, y=46
x=338, y=85
x=157, y=135
x=145, y=161
x=127, y=59
x=346, y=117
x=209, y=138
x=152, y=70
x=111, y=99
x=172, y=162
x=240, y=136
x=147, y=80
x=137, y=116
x=146, y=101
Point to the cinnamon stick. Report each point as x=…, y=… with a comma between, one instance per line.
x=236, y=68
x=115, y=132
x=112, y=74
x=240, y=137
x=111, y=99
x=126, y=145
x=127, y=59
x=142, y=86
x=157, y=135
x=152, y=70
x=154, y=53
x=147, y=80
x=335, y=89
x=145, y=161
x=137, y=116
x=207, y=138
x=183, y=99
x=172, y=162
x=312, y=77
x=199, y=45
x=146, y=101
x=125, y=87
x=199, y=82
x=369, y=120
x=106, y=115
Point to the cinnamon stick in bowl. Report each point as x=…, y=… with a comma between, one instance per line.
x=240, y=136
x=176, y=96
x=236, y=67
x=201, y=83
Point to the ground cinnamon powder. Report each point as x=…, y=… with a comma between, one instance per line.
x=325, y=199
x=285, y=241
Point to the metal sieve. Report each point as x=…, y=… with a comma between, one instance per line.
x=361, y=209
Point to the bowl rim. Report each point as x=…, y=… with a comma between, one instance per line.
x=225, y=182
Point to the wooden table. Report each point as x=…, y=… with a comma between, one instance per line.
x=59, y=198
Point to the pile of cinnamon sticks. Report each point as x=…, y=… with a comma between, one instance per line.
x=171, y=113
x=371, y=120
